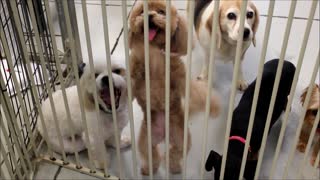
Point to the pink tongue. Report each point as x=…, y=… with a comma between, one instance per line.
x=152, y=34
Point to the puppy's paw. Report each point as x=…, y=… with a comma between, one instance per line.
x=98, y=164
x=125, y=141
x=313, y=160
x=301, y=146
x=242, y=85
x=202, y=77
x=175, y=168
x=145, y=170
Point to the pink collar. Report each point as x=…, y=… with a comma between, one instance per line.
x=241, y=139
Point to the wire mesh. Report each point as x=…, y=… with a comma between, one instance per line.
x=19, y=69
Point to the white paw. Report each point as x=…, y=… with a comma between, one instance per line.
x=125, y=141
x=242, y=85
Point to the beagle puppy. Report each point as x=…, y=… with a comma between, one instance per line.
x=227, y=33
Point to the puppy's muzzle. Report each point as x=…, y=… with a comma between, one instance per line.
x=105, y=93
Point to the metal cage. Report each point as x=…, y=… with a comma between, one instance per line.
x=32, y=68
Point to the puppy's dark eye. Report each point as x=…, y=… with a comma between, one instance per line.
x=96, y=75
x=249, y=15
x=162, y=12
x=117, y=71
x=232, y=16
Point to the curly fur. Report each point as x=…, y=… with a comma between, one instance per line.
x=308, y=123
x=157, y=11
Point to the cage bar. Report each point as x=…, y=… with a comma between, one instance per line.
x=113, y=106
x=95, y=96
x=20, y=99
x=233, y=88
x=147, y=76
x=187, y=92
x=294, y=86
x=305, y=105
x=129, y=87
x=76, y=75
x=275, y=86
x=167, y=84
x=46, y=78
x=6, y=161
x=311, y=138
x=10, y=148
x=28, y=69
x=257, y=87
x=213, y=45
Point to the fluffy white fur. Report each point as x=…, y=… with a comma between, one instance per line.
x=100, y=127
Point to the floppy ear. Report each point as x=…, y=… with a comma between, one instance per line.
x=214, y=160
x=255, y=23
x=209, y=26
x=81, y=69
x=179, y=41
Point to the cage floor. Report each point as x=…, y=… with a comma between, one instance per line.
x=216, y=127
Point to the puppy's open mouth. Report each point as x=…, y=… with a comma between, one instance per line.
x=153, y=30
x=106, y=98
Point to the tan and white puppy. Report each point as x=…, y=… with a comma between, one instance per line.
x=100, y=127
x=227, y=33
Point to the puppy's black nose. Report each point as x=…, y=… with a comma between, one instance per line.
x=105, y=81
x=150, y=16
x=246, y=33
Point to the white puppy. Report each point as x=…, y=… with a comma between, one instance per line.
x=227, y=33
x=100, y=127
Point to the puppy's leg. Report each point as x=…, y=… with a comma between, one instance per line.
x=315, y=152
x=125, y=141
x=98, y=150
x=304, y=137
x=176, y=142
x=241, y=82
x=143, y=149
x=204, y=70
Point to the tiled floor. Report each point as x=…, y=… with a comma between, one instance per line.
x=216, y=127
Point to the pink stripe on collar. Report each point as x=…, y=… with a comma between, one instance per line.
x=241, y=139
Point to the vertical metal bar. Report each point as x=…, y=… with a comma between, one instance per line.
x=75, y=70
x=316, y=163
x=28, y=70
x=275, y=86
x=211, y=64
x=233, y=88
x=12, y=139
x=18, y=90
x=305, y=105
x=2, y=176
x=6, y=161
x=46, y=79
x=311, y=137
x=257, y=87
x=9, y=145
x=14, y=120
x=187, y=94
x=113, y=107
x=167, y=85
x=89, y=48
x=147, y=76
x=13, y=127
x=294, y=86
x=129, y=88
x=62, y=82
